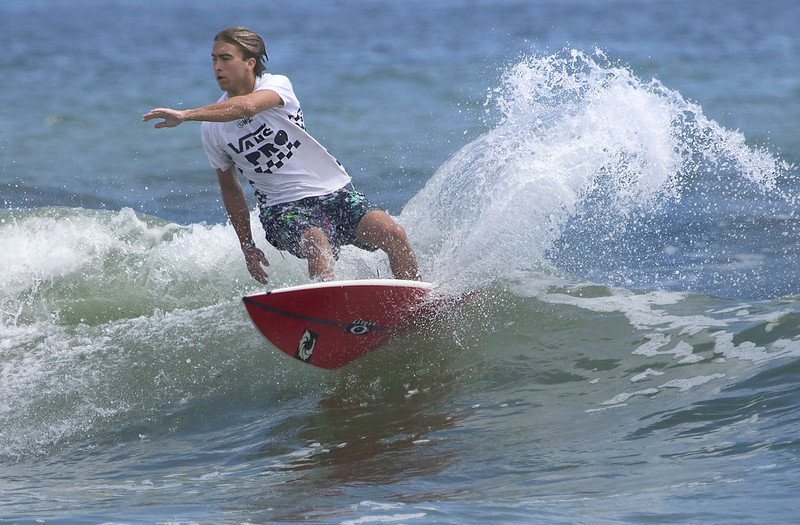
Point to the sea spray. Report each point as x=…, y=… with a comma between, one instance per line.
x=584, y=154
x=594, y=176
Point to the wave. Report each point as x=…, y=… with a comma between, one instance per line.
x=587, y=214
x=108, y=315
x=103, y=345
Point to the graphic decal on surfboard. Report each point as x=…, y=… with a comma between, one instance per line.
x=331, y=324
x=306, y=345
x=359, y=327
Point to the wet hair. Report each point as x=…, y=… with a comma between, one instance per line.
x=249, y=42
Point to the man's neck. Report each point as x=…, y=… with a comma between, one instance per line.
x=246, y=89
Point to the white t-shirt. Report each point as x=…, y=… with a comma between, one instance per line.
x=273, y=150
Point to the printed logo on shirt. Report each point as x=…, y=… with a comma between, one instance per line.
x=298, y=119
x=266, y=149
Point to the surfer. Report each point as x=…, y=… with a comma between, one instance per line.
x=306, y=203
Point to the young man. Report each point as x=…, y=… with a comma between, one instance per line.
x=305, y=207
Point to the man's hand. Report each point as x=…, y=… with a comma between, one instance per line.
x=172, y=117
x=256, y=261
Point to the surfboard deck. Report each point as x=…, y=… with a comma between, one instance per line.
x=330, y=324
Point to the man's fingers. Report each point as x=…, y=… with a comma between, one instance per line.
x=171, y=117
x=150, y=115
x=256, y=261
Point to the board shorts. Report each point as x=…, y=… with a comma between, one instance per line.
x=337, y=214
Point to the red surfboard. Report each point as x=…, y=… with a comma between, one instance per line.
x=330, y=324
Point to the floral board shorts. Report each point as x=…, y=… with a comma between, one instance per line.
x=337, y=214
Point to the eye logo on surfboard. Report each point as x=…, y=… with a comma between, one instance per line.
x=306, y=345
x=359, y=327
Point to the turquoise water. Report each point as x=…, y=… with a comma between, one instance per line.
x=616, y=180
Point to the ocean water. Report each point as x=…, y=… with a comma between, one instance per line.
x=616, y=180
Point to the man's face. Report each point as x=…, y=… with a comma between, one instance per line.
x=233, y=73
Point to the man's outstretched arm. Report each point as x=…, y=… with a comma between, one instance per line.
x=234, y=108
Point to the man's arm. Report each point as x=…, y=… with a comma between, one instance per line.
x=234, y=108
x=236, y=206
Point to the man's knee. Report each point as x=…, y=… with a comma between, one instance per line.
x=396, y=233
x=313, y=242
x=379, y=229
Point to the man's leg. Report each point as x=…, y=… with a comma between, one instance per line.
x=316, y=248
x=377, y=228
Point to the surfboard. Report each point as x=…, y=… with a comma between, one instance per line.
x=332, y=323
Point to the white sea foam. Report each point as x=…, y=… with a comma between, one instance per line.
x=646, y=374
x=685, y=384
x=622, y=398
x=385, y=518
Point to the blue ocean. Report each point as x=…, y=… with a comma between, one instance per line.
x=617, y=181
